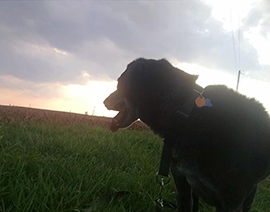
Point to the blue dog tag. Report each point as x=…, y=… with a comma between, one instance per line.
x=208, y=102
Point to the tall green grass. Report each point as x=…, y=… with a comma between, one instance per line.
x=80, y=167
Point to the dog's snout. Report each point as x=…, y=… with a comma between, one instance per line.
x=108, y=103
x=105, y=102
x=114, y=101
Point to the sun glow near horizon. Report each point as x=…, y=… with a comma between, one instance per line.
x=89, y=97
x=78, y=98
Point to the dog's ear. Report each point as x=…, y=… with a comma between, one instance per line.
x=195, y=77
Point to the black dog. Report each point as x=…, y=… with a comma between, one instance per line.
x=222, y=151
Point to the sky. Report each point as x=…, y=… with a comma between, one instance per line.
x=67, y=55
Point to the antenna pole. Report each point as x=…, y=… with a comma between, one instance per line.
x=238, y=79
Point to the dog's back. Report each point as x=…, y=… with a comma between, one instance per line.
x=225, y=150
x=236, y=125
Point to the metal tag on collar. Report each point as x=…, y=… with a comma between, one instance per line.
x=200, y=100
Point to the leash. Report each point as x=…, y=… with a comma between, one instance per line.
x=178, y=121
x=161, y=204
x=162, y=177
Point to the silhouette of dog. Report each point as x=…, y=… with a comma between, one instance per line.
x=223, y=150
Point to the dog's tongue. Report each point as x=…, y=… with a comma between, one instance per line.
x=113, y=126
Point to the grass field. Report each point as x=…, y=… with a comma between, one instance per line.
x=78, y=167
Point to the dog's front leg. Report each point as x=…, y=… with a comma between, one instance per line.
x=195, y=202
x=184, y=196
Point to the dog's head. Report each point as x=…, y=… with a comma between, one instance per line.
x=150, y=90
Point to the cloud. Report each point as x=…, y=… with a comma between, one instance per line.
x=259, y=17
x=256, y=32
x=29, y=88
x=253, y=18
x=56, y=41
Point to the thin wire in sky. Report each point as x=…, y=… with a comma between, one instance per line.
x=239, y=42
x=234, y=49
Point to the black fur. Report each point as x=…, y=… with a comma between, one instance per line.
x=223, y=152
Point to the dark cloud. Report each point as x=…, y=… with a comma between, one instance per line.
x=55, y=41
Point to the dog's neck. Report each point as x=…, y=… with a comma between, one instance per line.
x=177, y=126
x=183, y=111
x=159, y=119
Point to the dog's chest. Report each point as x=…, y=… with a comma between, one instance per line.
x=200, y=184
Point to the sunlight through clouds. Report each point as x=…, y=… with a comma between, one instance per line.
x=37, y=50
x=90, y=97
x=230, y=12
x=60, y=52
x=70, y=98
